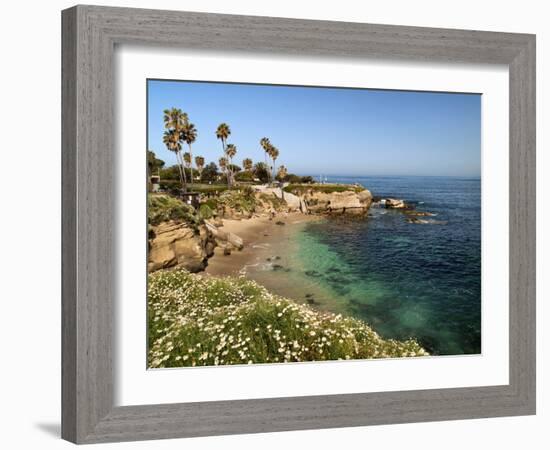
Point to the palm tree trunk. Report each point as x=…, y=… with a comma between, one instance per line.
x=182, y=169
x=226, y=169
x=269, y=174
x=179, y=169
x=191, y=165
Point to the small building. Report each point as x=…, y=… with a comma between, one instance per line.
x=191, y=198
x=155, y=183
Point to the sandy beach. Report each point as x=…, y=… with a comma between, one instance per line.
x=270, y=257
x=261, y=237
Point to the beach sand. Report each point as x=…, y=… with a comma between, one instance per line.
x=261, y=237
x=270, y=257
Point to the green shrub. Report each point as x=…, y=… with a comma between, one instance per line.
x=297, y=179
x=212, y=203
x=239, y=200
x=276, y=203
x=205, y=212
x=197, y=321
x=161, y=208
x=209, y=188
x=244, y=176
x=299, y=189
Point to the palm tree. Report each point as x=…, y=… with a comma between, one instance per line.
x=199, y=162
x=187, y=162
x=247, y=164
x=265, y=144
x=174, y=121
x=190, y=135
x=174, y=118
x=230, y=151
x=171, y=139
x=274, y=154
x=222, y=132
x=222, y=162
x=282, y=173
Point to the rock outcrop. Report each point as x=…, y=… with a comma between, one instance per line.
x=393, y=203
x=224, y=238
x=338, y=202
x=173, y=244
x=293, y=202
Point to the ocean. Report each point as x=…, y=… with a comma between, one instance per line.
x=406, y=279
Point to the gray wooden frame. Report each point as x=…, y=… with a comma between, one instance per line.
x=89, y=36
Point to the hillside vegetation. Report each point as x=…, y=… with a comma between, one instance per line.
x=196, y=321
x=300, y=189
x=162, y=207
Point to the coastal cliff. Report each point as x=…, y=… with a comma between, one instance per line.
x=185, y=237
x=324, y=198
x=346, y=202
x=173, y=244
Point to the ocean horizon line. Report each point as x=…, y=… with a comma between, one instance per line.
x=473, y=177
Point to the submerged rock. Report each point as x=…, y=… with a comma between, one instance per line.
x=420, y=213
x=312, y=273
x=309, y=299
x=393, y=203
x=416, y=220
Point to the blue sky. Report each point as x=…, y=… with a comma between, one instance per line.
x=329, y=131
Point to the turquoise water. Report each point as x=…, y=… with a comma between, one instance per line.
x=406, y=280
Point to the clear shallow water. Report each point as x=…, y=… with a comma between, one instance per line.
x=406, y=280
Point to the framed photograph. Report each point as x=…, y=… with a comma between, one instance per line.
x=277, y=224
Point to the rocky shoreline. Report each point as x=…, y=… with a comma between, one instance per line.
x=181, y=244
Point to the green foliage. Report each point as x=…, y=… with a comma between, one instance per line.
x=244, y=176
x=205, y=212
x=170, y=173
x=261, y=171
x=239, y=200
x=276, y=203
x=299, y=189
x=209, y=173
x=297, y=179
x=161, y=208
x=209, y=188
x=153, y=163
x=248, y=193
x=199, y=321
x=212, y=203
